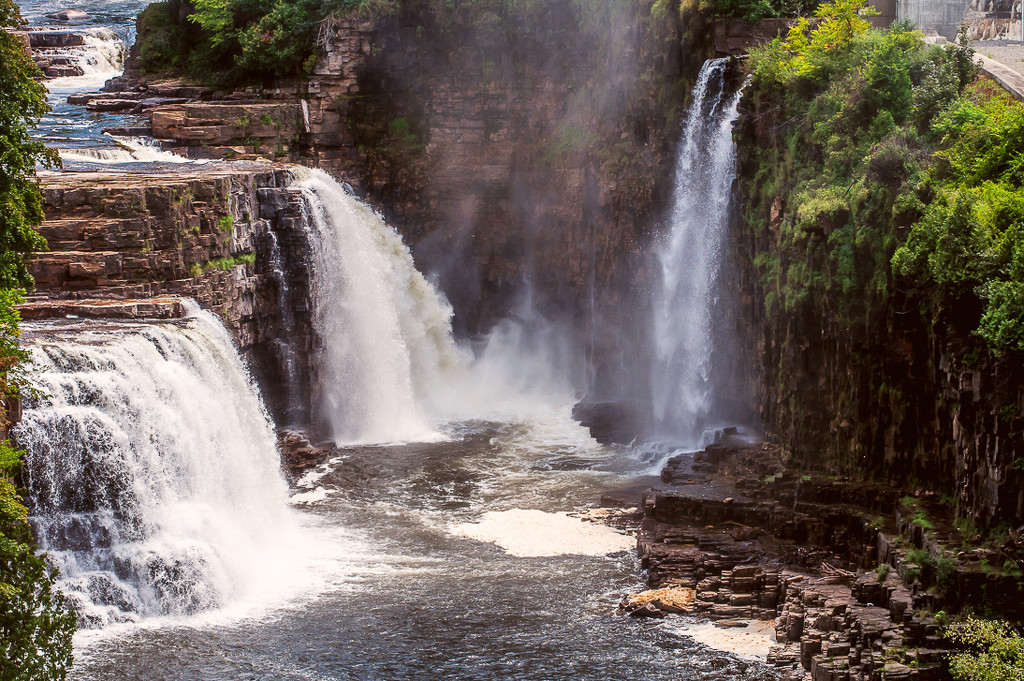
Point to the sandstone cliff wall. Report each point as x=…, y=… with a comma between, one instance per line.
x=526, y=155
x=232, y=238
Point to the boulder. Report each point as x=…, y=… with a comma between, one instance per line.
x=110, y=104
x=672, y=599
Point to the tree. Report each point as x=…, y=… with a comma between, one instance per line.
x=995, y=651
x=35, y=625
x=22, y=102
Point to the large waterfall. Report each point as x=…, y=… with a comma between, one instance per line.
x=691, y=354
x=384, y=331
x=151, y=467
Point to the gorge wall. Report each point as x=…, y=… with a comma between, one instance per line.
x=890, y=385
x=129, y=245
x=525, y=153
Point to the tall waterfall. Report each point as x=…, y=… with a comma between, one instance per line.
x=151, y=469
x=384, y=331
x=690, y=352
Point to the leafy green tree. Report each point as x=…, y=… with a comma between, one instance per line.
x=22, y=101
x=35, y=625
x=995, y=651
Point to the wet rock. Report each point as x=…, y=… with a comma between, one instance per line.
x=52, y=39
x=647, y=610
x=68, y=15
x=110, y=104
x=731, y=624
x=613, y=422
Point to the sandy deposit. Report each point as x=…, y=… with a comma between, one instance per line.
x=750, y=643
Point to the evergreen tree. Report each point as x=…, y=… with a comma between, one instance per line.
x=35, y=625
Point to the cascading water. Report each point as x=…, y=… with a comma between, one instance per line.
x=690, y=351
x=151, y=469
x=385, y=332
x=129, y=150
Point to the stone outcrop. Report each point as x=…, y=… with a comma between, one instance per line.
x=233, y=238
x=736, y=536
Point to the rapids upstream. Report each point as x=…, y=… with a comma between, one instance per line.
x=449, y=552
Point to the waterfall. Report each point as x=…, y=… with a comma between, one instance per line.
x=690, y=352
x=129, y=150
x=100, y=57
x=384, y=331
x=151, y=469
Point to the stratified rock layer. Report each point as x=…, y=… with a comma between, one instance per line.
x=232, y=237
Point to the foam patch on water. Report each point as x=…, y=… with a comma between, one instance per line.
x=311, y=497
x=750, y=643
x=528, y=533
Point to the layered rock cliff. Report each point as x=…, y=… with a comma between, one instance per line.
x=888, y=384
x=232, y=237
x=524, y=153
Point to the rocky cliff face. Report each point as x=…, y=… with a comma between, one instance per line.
x=904, y=393
x=233, y=238
x=525, y=154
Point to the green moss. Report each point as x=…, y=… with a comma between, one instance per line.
x=225, y=264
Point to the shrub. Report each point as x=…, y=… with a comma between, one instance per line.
x=995, y=651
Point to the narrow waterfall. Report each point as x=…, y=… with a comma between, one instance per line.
x=690, y=353
x=151, y=468
x=384, y=331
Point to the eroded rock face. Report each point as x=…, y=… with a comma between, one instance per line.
x=232, y=237
x=526, y=159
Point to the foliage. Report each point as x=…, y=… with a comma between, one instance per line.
x=35, y=626
x=995, y=651
x=238, y=40
x=21, y=205
x=899, y=170
x=813, y=50
x=758, y=10
x=969, y=241
x=938, y=571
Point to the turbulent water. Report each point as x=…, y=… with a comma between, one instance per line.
x=151, y=469
x=109, y=31
x=436, y=542
x=693, y=352
x=385, y=333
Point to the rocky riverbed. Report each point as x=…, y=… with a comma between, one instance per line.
x=736, y=536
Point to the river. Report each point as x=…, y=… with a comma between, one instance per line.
x=455, y=558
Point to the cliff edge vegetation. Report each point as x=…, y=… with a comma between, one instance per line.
x=238, y=41
x=35, y=627
x=883, y=197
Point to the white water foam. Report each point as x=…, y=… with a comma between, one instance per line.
x=153, y=475
x=530, y=533
x=100, y=58
x=131, y=150
x=385, y=332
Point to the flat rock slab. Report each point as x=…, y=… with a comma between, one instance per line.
x=160, y=307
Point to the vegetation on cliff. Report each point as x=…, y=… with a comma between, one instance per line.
x=230, y=41
x=35, y=626
x=883, y=202
x=994, y=651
